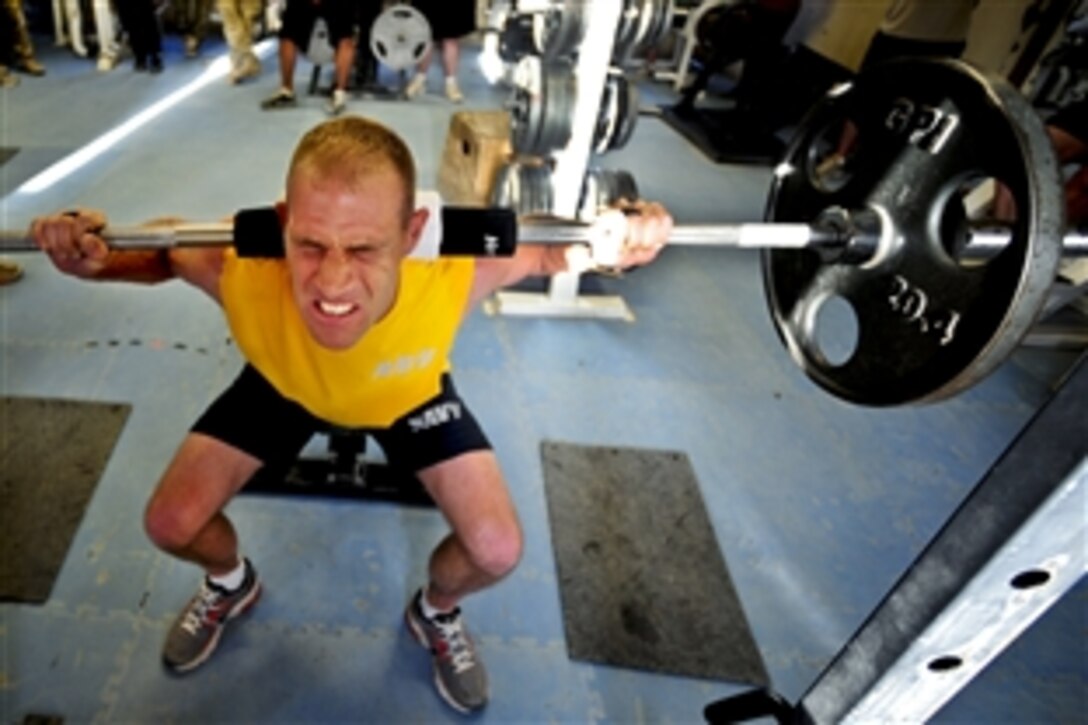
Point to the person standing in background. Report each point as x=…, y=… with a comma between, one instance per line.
x=238, y=17
x=68, y=26
x=298, y=22
x=192, y=18
x=139, y=20
x=106, y=25
x=18, y=51
x=450, y=21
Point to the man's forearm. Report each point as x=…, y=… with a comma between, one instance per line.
x=546, y=259
x=146, y=266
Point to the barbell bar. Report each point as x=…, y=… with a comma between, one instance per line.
x=476, y=232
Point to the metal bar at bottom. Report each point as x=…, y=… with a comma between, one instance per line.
x=1012, y=549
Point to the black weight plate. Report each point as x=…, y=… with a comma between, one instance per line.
x=627, y=114
x=916, y=134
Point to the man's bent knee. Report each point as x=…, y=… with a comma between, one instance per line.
x=495, y=548
x=204, y=475
x=169, y=526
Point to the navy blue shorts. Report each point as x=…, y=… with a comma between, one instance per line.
x=252, y=416
x=448, y=18
x=341, y=17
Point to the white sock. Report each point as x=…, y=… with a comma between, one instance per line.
x=430, y=611
x=287, y=91
x=339, y=96
x=232, y=579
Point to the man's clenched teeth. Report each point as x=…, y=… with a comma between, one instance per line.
x=335, y=310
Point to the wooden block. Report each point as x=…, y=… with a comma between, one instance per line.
x=477, y=145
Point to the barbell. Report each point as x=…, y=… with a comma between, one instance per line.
x=939, y=298
x=838, y=236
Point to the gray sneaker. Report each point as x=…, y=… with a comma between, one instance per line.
x=459, y=674
x=195, y=633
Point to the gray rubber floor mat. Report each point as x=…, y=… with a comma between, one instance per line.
x=642, y=580
x=52, y=454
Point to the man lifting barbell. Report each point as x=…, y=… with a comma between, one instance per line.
x=344, y=331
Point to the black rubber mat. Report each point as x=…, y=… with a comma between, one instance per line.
x=52, y=453
x=641, y=578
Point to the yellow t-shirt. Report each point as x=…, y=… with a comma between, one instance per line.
x=396, y=366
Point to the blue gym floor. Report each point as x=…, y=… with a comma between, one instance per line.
x=818, y=505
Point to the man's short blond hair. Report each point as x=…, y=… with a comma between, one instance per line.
x=350, y=148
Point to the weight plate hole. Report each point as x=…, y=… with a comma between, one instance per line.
x=833, y=155
x=1030, y=579
x=982, y=202
x=835, y=331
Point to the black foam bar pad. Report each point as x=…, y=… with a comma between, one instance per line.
x=478, y=232
x=466, y=232
x=257, y=233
